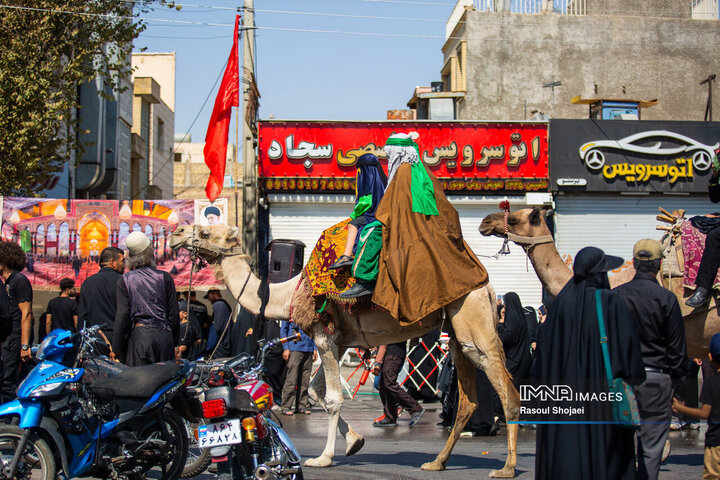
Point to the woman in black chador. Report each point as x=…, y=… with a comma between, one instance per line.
x=513, y=333
x=569, y=352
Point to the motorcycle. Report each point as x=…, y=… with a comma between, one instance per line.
x=243, y=439
x=113, y=426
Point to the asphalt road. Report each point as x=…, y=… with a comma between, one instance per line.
x=397, y=453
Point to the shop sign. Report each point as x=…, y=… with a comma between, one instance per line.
x=464, y=156
x=632, y=156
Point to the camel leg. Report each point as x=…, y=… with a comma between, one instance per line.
x=354, y=441
x=473, y=321
x=467, y=403
x=328, y=351
x=492, y=361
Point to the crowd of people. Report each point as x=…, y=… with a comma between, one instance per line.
x=143, y=319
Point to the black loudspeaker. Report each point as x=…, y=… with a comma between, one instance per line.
x=286, y=259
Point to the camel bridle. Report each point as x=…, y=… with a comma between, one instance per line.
x=528, y=242
x=525, y=242
x=216, y=251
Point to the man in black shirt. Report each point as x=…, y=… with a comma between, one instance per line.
x=98, y=297
x=656, y=314
x=76, y=265
x=17, y=344
x=201, y=312
x=63, y=310
x=189, y=341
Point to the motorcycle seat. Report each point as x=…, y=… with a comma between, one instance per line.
x=137, y=382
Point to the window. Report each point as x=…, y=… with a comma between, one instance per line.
x=160, y=135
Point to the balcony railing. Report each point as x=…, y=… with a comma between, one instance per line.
x=701, y=9
x=705, y=9
x=563, y=7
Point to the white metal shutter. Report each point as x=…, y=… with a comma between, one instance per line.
x=509, y=273
x=615, y=223
x=304, y=217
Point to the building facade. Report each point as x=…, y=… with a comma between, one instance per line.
x=513, y=60
x=151, y=167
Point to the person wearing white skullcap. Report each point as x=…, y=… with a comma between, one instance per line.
x=147, y=319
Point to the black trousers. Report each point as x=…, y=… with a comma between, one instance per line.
x=10, y=367
x=276, y=371
x=710, y=260
x=654, y=397
x=149, y=345
x=392, y=394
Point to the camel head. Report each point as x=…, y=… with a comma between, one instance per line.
x=528, y=222
x=212, y=241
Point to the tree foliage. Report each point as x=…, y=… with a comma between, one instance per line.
x=47, y=49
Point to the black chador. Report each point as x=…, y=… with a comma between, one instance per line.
x=569, y=352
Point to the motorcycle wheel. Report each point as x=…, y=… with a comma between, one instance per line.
x=198, y=459
x=179, y=439
x=37, y=464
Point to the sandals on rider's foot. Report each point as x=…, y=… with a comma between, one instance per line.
x=288, y=412
x=343, y=261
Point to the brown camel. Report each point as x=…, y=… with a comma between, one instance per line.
x=471, y=321
x=528, y=229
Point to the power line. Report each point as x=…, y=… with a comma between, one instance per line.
x=408, y=2
x=347, y=15
x=218, y=37
x=188, y=23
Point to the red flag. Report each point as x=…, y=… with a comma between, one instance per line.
x=217, y=134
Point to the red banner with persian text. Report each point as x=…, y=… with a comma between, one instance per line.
x=316, y=156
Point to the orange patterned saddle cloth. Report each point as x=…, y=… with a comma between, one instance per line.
x=328, y=249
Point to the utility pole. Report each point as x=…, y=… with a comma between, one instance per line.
x=250, y=200
x=552, y=86
x=708, y=107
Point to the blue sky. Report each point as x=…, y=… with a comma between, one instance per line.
x=305, y=75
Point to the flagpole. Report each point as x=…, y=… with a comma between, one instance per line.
x=237, y=138
x=249, y=223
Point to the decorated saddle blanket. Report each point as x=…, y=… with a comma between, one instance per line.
x=328, y=249
x=693, y=245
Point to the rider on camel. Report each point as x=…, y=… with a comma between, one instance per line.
x=424, y=263
x=400, y=148
x=370, y=187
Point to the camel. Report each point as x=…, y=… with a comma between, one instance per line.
x=528, y=229
x=470, y=320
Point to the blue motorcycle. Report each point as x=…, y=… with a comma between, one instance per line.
x=67, y=422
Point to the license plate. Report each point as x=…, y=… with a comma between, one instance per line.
x=221, y=433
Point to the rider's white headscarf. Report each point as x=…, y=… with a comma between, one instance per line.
x=399, y=155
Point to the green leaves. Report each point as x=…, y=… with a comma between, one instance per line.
x=44, y=56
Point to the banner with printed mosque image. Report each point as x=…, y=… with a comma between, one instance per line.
x=63, y=238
